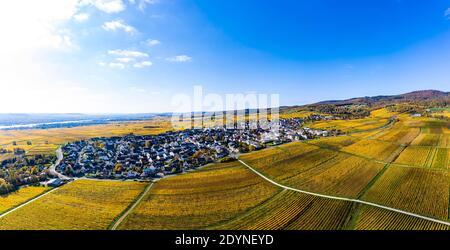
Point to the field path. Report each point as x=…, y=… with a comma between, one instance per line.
x=28, y=202
x=130, y=209
x=345, y=199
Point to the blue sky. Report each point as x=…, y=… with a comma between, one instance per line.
x=109, y=56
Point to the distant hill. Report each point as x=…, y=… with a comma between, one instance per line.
x=360, y=106
x=421, y=95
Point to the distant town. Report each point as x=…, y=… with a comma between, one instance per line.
x=154, y=156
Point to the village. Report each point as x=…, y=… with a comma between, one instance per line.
x=142, y=157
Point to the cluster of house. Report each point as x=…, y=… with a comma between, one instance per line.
x=153, y=156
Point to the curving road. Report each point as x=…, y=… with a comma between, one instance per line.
x=345, y=199
x=52, y=168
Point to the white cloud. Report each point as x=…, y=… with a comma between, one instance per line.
x=108, y=6
x=127, y=53
x=179, y=58
x=152, y=42
x=128, y=58
x=33, y=25
x=116, y=65
x=143, y=3
x=143, y=64
x=125, y=59
x=118, y=25
x=81, y=17
x=447, y=13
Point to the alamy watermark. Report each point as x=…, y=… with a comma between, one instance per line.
x=230, y=111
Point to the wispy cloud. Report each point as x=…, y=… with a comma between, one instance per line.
x=81, y=17
x=116, y=65
x=125, y=59
x=127, y=53
x=447, y=13
x=152, y=42
x=118, y=25
x=143, y=64
x=141, y=4
x=108, y=6
x=179, y=58
x=128, y=58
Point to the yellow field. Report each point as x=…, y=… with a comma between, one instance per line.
x=417, y=190
x=294, y=211
x=445, y=141
x=286, y=152
x=296, y=114
x=415, y=156
x=372, y=218
x=382, y=113
x=346, y=177
x=427, y=140
x=334, y=142
x=315, y=169
x=379, y=150
x=281, y=168
x=444, y=113
x=46, y=140
x=200, y=199
x=355, y=125
x=399, y=134
x=20, y=196
x=42, y=149
x=82, y=204
x=441, y=158
x=5, y=156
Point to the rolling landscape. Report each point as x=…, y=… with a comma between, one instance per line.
x=224, y=123
x=385, y=167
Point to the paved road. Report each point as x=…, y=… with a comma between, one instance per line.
x=52, y=168
x=346, y=199
x=28, y=202
x=117, y=223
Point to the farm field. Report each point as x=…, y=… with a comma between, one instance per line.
x=415, y=156
x=441, y=158
x=200, y=199
x=20, y=196
x=344, y=176
x=427, y=140
x=317, y=170
x=47, y=140
x=374, y=149
x=378, y=118
x=382, y=113
x=445, y=141
x=82, y=204
x=350, y=126
x=295, y=114
x=372, y=218
x=444, y=113
x=398, y=134
x=418, y=190
x=334, y=142
x=294, y=211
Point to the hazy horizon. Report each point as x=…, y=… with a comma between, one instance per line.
x=170, y=112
